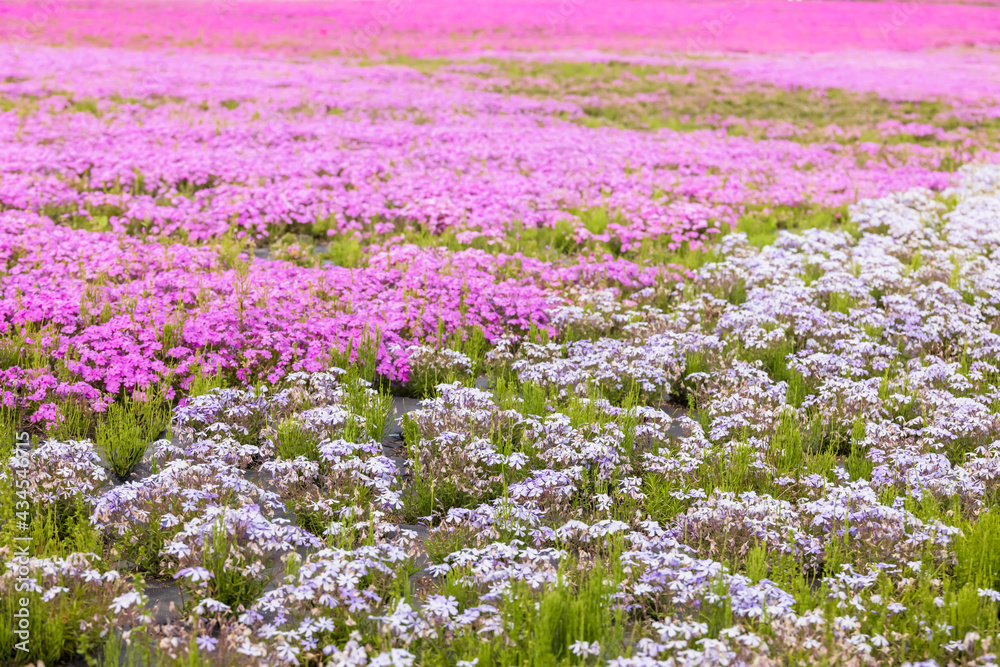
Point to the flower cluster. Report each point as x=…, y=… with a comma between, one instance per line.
x=552, y=358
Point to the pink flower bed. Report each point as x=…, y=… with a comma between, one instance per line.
x=109, y=313
x=262, y=146
x=969, y=76
x=784, y=451
x=199, y=145
x=440, y=26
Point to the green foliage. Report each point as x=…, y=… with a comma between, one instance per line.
x=977, y=550
x=423, y=382
x=442, y=542
x=661, y=505
x=549, y=622
x=595, y=219
x=344, y=251
x=762, y=224
x=732, y=473
x=229, y=583
x=127, y=429
x=360, y=356
x=737, y=294
x=77, y=421
x=202, y=383
x=842, y=303
x=858, y=464
x=411, y=432
x=534, y=399
x=787, y=444
x=294, y=441
x=431, y=498
x=820, y=463
x=296, y=248
x=694, y=362
x=57, y=528
x=474, y=345
x=370, y=409
x=717, y=609
x=10, y=427
x=115, y=652
x=682, y=98
x=756, y=563
x=63, y=628
x=786, y=572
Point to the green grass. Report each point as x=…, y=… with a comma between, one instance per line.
x=229, y=584
x=294, y=441
x=696, y=97
x=977, y=550
x=128, y=427
x=60, y=629
x=762, y=224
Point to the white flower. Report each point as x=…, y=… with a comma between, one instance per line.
x=195, y=574
x=178, y=549
x=846, y=622
x=582, y=648
x=440, y=605
x=287, y=654
x=123, y=602
x=397, y=657
x=989, y=593
x=211, y=605
x=206, y=643
x=53, y=592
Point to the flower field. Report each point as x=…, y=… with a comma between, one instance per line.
x=414, y=334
